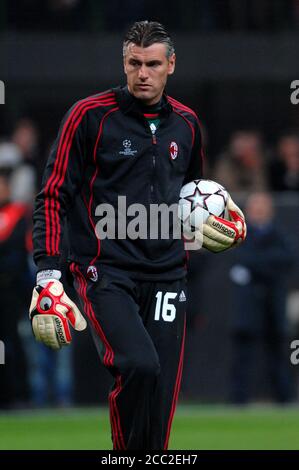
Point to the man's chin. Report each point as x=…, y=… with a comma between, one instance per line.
x=143, y=95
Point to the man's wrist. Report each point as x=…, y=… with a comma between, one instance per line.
x=46, y=275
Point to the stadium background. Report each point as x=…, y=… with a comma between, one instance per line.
x=235, y=64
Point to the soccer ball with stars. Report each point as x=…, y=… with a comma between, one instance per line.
x=198, y=200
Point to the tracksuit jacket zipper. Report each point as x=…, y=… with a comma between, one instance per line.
x=154, y=142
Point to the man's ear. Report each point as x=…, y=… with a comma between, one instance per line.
x=171, y=64
x=125, y=68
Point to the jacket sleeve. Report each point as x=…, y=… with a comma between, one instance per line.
x=195, y=170
x=62, y=179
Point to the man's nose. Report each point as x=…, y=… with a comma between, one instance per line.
x=143, y=74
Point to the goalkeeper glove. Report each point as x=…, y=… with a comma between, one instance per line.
x=220, y=234
x=51, y=310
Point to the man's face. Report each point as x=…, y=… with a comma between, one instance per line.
x=147, y=69
x=259, y=208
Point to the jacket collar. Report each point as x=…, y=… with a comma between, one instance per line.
x=129, y=104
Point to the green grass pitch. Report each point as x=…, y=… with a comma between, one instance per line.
x=194, y=427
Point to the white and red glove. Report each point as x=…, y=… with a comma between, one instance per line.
x=220, y=234
x=51, y=310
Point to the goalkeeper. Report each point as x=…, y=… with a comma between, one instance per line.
x=137, y=142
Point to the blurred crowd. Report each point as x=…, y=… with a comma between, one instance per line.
x=248, y=166
x=196, y=15
x=32, y=374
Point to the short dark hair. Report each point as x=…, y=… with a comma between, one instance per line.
x=145, y=33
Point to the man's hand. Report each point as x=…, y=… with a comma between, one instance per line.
x=50, y=311
x=220, y=234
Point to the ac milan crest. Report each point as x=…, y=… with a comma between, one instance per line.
x=92, y=273
x=173, y=150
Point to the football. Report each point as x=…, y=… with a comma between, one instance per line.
x=198, y=200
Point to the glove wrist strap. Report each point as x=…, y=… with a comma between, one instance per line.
x=46, y=275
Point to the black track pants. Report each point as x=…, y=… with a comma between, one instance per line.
x=139, y=331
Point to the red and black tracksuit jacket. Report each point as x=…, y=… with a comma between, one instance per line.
x=105, y=149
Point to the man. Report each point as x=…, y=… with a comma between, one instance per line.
x=137, y=142
x=259, y=278
x=284, y=167
x=14, y=229
x=243, y=166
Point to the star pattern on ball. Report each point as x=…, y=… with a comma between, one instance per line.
x=197, y=199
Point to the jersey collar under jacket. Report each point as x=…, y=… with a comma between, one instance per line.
x=129, y=104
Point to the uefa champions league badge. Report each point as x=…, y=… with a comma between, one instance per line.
x=173, y=150
x=92, y=273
